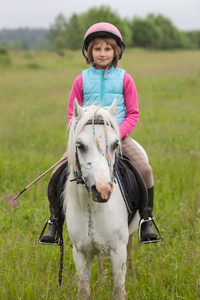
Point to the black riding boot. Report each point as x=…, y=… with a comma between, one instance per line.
x=147, y=234
x=57, y=218
x=50, y=237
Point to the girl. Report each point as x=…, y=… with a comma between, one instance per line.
x=100, y=85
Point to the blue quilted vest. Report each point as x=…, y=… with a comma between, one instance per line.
x=101, y=91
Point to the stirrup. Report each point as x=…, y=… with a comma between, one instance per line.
x=158, y=232
x=57, y=238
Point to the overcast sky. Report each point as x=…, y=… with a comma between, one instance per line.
x=184, y=14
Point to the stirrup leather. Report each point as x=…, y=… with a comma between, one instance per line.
x=158, y=232
x=57, y=238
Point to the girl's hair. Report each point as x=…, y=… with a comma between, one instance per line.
x=109, y=41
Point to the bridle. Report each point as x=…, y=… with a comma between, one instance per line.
x=78, y=177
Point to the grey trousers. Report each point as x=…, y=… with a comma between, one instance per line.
x=134, y=153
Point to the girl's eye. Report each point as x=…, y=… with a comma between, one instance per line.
x=106, y=49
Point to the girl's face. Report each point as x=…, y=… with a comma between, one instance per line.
x=103, y=54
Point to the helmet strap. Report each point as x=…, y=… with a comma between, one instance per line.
x=83, y=52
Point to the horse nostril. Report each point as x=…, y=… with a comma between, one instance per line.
x=94, y=190
x=95, y=194
x=111, y=187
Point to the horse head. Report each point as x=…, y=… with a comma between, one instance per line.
x=93, y=147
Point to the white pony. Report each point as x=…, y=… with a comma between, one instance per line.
x=97, y=217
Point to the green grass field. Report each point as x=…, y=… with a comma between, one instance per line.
x=34, y=91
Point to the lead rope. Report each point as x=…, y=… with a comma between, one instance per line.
x=61, y=244
x=99, y=145
x=61, y=261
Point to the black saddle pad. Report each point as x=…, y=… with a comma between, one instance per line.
x=132, y=186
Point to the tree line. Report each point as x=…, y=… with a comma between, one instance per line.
x=156, y=32
x=23, y=39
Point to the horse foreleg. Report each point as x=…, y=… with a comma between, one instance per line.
x=118, y=261
x=100, y=262
x=83, y=268
x=129, y=253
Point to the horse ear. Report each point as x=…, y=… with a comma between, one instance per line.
x=112, y=108
x=77, y=111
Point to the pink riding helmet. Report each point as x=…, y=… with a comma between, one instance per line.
x=103, y=29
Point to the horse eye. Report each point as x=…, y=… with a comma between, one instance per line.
x=115, y=144
x=81, y=146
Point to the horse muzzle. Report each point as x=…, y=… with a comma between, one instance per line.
x=101, y=192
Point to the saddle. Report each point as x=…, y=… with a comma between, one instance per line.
x=56, y=185
x=131, y=183
x=132, y=186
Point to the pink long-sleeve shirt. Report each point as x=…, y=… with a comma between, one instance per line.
x=130, y=100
